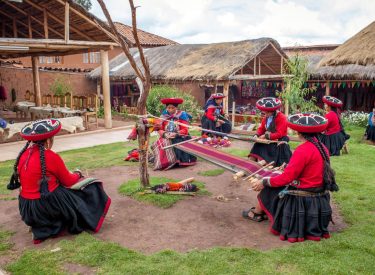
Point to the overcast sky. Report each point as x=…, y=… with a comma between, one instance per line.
x=290, y=22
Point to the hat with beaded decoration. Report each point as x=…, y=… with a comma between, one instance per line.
x=307, y=123
x=41, y=129
x=332, y=101
x=268, y=104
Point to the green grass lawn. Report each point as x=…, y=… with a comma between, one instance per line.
x=351, y=251
x=132, y=189
x=212, y=173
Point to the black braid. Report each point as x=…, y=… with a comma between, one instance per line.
x=272, y=127
x=334, y=109
x=44, y=181
x=14, y=182
x=329, y=181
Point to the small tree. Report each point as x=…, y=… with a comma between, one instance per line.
x=294, y=94
x=84, y=3
x=60, y=87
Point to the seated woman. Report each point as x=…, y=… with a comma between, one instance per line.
x=297, y=202
x=370, y=130
x=173, y=130
x=213, y=118
x=334, y=136
x=46, y=202
x=273, y=127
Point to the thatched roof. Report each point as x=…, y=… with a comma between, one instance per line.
x=200, y=62
x=358, y=50
x=315, y=54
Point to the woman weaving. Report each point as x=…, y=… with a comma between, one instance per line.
x=297, y=202
x=47, y=202
x=334, y=136
x=173, y=130
x=370, y=130
x=213, y=118
x=273, y=127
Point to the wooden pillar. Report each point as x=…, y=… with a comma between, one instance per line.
x=29, y=26
x=106, y=93
x=327, y=88
x=255, y=66
x=38, y=96
x=281, y=65
x=15, y=35
x=286, y=103
x=226, y=93
x=98, y=87
x=45, y=23
x=66, y=22
x=233, y=113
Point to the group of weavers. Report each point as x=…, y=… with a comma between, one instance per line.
x=53, y=200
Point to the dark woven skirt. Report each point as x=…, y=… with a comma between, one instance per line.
x=370, y=133
x=272, y=152
x=66, y=209
x=211, y=125
x=334, y=142
x=296, y=218
x=183, y=159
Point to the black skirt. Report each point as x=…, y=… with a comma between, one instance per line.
x=370, y=133
x=296, y=218
x=183, y=158
x=334, y=142
x=211, y=125
x=272, y=152
x=66, y=209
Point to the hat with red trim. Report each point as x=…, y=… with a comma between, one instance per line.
x=41, y=129
x=172, y=100
x=268, y=104
x=217, y=96
x=307, y=123
x=332, y=101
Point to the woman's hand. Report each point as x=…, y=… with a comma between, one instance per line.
x=170, y=135
x=258, y=185
x=262, y=137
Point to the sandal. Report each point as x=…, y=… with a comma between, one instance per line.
x=257, y=217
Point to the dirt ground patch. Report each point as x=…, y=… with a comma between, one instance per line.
x=199, y=222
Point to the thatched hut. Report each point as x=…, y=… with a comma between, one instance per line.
x=200, y=66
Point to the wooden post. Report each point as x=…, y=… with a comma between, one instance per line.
x=226, y=99
x=45, y=23
x=38, y=96
x=15, y=35
x=259, y=66
x=98, y=87
x=29, y=26
x=106, y=93
x=281, y=65
x=255, y=65
x=286, y=105
x=327, y=88
x=66, y=22
x=233, y=113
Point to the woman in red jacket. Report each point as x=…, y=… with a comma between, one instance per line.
x=47, y=203
x=334, y=136
x=172, y=133
x=273, y=127
x=214, y=117
x=297, y=202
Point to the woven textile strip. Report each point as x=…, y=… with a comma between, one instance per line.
x=164, y=159
x=238, y=163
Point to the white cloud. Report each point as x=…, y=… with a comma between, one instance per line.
x=290, y=22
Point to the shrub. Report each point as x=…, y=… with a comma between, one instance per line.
x=355, y=118
x=155, y=107
x=59, y=87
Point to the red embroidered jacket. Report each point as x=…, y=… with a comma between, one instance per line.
x=333, y=126
x=281, y=127
x=210, y=113
x=305, y=166
x=29, y=169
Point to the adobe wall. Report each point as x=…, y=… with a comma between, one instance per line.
x=22, y=80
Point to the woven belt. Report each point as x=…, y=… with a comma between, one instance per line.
x=301, y=193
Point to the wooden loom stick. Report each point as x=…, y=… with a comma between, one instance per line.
x=182, y=142
x=264, y=167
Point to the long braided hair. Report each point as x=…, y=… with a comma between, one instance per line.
x=334, y=109
x=14, y=181
x=272, y=127
x=329, y=181
x=44, y=180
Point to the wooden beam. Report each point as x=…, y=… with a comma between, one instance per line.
x=89, y=20
x=20, y=22
x=267, y=65
x=282, y=65
x=328, y=92
x=90, y=44
x=58, y=20
x=45, y=24
x=106, y=92
x=66, y=22
x=259, y=65
x=15, y=27
x=226, y=98
x=36, y=81
x=30, y=29
x=33, y=18
x=255, y=66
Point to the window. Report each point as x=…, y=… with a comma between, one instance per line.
x=50, y=59
x=91, y=57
